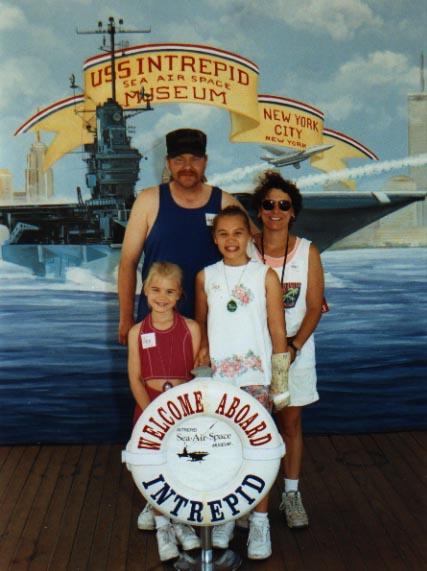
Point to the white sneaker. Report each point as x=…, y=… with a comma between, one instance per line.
x=146, y=519
x=259, y=542
x=166, y=542
x=293, y=508
x=187, y=537
x=222, y=534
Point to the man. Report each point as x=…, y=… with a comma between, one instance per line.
x=171, y=222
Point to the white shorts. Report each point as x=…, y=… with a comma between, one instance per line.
x=303, y=386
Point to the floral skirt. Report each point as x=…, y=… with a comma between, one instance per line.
x=261, y=393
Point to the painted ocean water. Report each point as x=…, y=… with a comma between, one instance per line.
x=63, y=375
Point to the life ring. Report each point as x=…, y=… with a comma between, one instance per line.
x=204, y=452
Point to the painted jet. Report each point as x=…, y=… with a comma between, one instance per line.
x=193, y=456
x=281, y=158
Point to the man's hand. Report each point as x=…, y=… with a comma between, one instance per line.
x=124, y=328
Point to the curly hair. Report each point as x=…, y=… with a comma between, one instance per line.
x=273, y=179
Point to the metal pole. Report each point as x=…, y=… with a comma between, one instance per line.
x=206, y=556
x=112, y=32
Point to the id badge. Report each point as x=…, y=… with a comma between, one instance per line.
x=148, y=340
x=209, y=217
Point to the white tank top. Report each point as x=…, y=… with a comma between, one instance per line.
x=239, y=341
x=295, y=283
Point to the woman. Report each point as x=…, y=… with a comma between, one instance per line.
x=297, y=263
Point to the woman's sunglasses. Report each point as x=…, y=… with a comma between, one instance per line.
x=284, y=205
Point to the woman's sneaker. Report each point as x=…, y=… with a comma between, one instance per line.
x=166, y=542
x=186, y=536
x=294, y=511
x=259, y=542
x=222, y=534
x=146, y=519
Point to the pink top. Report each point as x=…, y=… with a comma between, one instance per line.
x=165, y=354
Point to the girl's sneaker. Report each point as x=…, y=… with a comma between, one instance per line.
x=166, y=542
x=222, y=534
x=146, y=519
x=187, y=537
x=259, y=542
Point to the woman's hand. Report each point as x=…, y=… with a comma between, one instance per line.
x=293, y=353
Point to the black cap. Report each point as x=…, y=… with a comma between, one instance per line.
x=184, y=141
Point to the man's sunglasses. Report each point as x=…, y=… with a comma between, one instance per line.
x=284, y=205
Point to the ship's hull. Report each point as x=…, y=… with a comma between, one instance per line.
x=326, y=218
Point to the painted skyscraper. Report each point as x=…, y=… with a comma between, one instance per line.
x=38, y=183
x=417, y=139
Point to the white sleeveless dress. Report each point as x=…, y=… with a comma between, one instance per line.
x=239, y=341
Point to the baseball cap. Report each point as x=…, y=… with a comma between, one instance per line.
x=184, y=141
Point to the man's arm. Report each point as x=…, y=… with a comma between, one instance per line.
x=201, y=310
x=143, y=213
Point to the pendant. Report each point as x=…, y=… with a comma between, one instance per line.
x=166, y=386
x=231, y=305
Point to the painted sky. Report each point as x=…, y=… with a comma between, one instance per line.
x=356, y=60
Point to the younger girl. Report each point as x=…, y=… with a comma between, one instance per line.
x=238, y=305
x=162, y=349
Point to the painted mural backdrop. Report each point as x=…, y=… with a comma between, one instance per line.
x=63, y=374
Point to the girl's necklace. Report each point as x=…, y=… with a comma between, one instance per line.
x=284, y=259
x=232, y=304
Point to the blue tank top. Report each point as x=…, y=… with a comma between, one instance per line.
x=182, y=236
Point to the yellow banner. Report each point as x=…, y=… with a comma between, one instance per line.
x=184, y=73
x=178, y=73
x=344, y=147
x=285, y=122
x=72, y=120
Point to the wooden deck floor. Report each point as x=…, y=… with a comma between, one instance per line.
x=75, y=508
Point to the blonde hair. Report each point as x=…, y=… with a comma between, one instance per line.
x=164, y=270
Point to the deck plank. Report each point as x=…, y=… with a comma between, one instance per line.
x=27, y=542
x=405, y=480
x=387, y=514
x=5, y=451
x=70, y=520
x=111, y=494
x=48, y=537
x=356, y=536
x=20, y=519
x=82, y=544
x=16, y=477
x=123, y=521
x=74, y=508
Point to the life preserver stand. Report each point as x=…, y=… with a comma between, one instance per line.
x=204, y=453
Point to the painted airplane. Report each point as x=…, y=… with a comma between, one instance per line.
x=193, y=456
x=282, y=158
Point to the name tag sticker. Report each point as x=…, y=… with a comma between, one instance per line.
x=209, y=218
x=148, y=340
